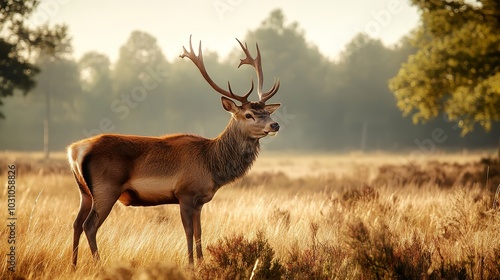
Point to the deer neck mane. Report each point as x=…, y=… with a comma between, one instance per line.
x=231, y=154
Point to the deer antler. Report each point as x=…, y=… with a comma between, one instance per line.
x=198, y=61
x=257, y=64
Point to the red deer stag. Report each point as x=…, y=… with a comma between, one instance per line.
x=179, y=169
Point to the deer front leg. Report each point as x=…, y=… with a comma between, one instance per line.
x=187, y=222
x=190, y=216
x=197, y=231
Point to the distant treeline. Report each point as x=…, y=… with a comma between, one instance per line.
x=336, y=105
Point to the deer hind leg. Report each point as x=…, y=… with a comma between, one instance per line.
x=101, y=206
x=85, y=206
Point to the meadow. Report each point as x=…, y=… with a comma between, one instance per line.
x=294, y=216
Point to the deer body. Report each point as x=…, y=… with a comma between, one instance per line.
x=153, y=170
x=179, y=169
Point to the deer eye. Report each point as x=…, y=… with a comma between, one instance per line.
x=248, y=116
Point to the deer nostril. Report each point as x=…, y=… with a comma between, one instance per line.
x=275, y=126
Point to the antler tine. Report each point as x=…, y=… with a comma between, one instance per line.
x=257, y=64
x=246, y=94
x=198, y=61
x=267, y=95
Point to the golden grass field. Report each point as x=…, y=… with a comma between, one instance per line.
x=317, y=216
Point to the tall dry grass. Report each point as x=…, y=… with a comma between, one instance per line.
x=292, y=217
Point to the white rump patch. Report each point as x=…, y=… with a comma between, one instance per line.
x=76, y=162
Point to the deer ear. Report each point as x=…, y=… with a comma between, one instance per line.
x=272, y=107
x=229, y=105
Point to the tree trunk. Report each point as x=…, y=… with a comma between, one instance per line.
x=46, y=126
x=364, y=136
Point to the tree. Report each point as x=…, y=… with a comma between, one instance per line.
x=193, y=106
x=302, y=70
x=97, y=89
x=363, y=106
x=456, y=68
x=18, y=44
x=58, y=83
x=97, y=95
x=95, y=74
x=140, y=80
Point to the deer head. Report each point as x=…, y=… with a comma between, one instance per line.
x=254, y=118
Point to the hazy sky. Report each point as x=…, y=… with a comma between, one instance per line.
x=105, y=25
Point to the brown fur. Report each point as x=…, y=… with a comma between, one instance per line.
x=199, y=166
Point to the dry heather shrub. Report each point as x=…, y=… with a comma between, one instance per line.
x=322, y=262
x=157, y=271
x=35, y=166
x=412, y=259
x=122, y=272
x=464, y=218
x=280, y=218
x=381, y=254
x=161, y=272
x=370, y=252
x=468, y=246
x=317, y=261
x=367, y=194
x=235, y=257
x=415, y=174
x=485, y=172
x=281, y=181
x=324, y=182
x=265, y=178
x=448, y=268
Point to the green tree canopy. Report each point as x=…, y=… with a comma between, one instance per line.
x=140, y=83
x=19, y=42
x=456, y=68
x=95, y=74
